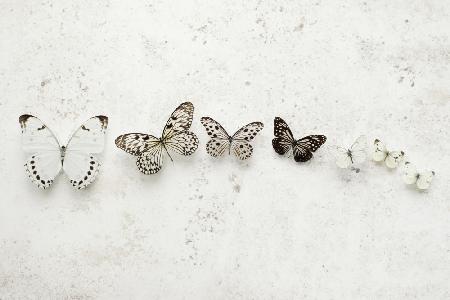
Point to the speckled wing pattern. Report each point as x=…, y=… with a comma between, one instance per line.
x=238, y=144
x=48, y=158
x=136, y=143
x=176, y=137
x=302, y=149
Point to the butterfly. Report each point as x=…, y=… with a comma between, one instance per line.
x=411, y=176
x=175, y=137
x=238, y=143
x=77, y=159
x=302, y=149
x=355, y=155
x=391, y=158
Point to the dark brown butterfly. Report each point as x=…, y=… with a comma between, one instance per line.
x=302, y=149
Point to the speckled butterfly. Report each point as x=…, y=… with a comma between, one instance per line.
x=238, y=143
x=77, y=159
x=302, y=149
x=175, y=137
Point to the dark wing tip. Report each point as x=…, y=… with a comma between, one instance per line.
x=187, y=103
x=118, y=140
x=23, y=118
x=103, y=120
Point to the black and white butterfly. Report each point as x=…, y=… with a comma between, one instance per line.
x=302, y=149
x=77, y=159
x=175, y=137
x=238, y=143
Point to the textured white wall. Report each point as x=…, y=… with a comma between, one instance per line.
x=221, y=229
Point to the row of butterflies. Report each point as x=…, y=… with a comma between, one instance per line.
x=47, y=157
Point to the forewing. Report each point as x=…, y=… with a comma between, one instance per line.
x=216, y=147
x=81, y=168
x=393, y=159
x=214, y=129
x=42, y=167
x=89, y=138
x=282, y=130
x=409, y=173
x=136, y=143
x=424, y=180
x=312, y=142
x=343, y=160
x=179, y=121
x=284, y=139
x=36, y=136
x=184, y=143
x=151, y=161
x=380, y=152
x=242, y=149
x=248, y=132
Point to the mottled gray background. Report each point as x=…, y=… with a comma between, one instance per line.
x=221, y=229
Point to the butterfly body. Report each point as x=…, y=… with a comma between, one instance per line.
x=175, y=137
x=76, y=158
x=237, y=144
x=285, y=142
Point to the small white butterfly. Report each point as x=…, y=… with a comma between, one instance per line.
x=47, y=157
x=411, y=176
x=355, y=155
x=391, y=158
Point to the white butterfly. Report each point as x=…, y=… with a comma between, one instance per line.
x=411, y=176
x=238, y=143
x=47, y=157
x=391, y=158
x=175, y=137
x=355, y=155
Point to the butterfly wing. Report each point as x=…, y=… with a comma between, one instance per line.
x=136, y=143
x=44, y=162
x=240, y=145
x=359, y=150
x=304, y=147
x=380, y=152
x=179, y=121
x=176, y=135
x=343, y=160
x=80, y=164
x=184, y=143
x=151, y=161
x=284, y=139
x=409, y=173
x=424, y=180
x=220, y=140
x=393, y=159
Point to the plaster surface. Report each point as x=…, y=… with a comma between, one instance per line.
x=206, y=228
